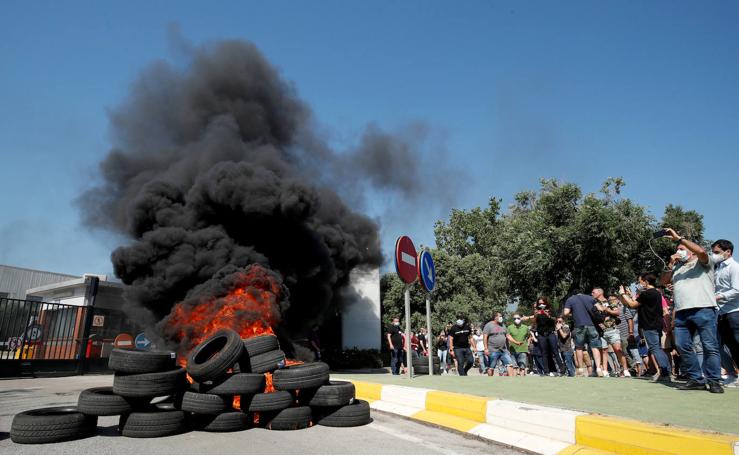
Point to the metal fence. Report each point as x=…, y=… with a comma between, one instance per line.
x=31, y=330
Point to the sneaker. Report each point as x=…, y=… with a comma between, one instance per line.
x=729, y=380
x=665, y=379
x=581, y=372
x=551, y=375
x=692, y=385
x=715, y=387
x=733, y=384
x=599, y=372
x=627, y=374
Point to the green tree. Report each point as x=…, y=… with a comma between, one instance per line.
x=550, y=242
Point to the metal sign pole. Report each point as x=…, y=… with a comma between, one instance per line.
x=429, y=335
x=408, y=363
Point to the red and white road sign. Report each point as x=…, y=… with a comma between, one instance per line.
x=406, y=259
x=124, y=341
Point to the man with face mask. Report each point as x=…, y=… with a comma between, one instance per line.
x=727, y=297
x=691, y=272
x=519, y=339
x=495, y=340
x=460, y=336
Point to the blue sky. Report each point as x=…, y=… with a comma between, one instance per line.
x=518, y=90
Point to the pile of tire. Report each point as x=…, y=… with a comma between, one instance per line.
x=154, y=398
x=421, y=365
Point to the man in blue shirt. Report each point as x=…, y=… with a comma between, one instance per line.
x=727, y=297
x=581, y=307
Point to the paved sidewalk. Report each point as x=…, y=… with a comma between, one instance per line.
x=622, y=397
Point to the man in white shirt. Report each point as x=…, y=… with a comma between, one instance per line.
x=727, y=297
x=691, y=272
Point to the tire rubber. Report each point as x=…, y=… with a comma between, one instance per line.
x=289, y=419
x=260, y=345
x=263, y=363
x=234, y=384
x=149, y=385
x=101, y=401
x=44, y=425
x=225, y=421
x=211, y=359
x=261, y=402
x=335, y=393
x=132, y=361
x=351, y=415
x=205, y=403
x=152, y=423
x=304, y=376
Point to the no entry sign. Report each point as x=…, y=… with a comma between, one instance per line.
x=405, y=259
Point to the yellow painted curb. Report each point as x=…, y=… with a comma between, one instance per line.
x=625, y=436
x=457, y=404
x=582, y=450
x=368, y=391
x=446, y=420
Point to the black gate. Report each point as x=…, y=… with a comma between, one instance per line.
x=44, y=339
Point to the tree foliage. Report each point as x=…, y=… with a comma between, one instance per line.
x=550, y=242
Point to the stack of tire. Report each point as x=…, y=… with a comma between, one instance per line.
x=153, y=397
x=421, y=365
x=224, y=366
x=140, y=377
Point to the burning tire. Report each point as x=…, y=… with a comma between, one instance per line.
x=133, y=361
x=204, y=403
x=234, y=384
x=289, y=419
x=335, y=393
x=149, y=385
x=260, y=345
x=263, y=363
x=305, y=376
x=152, y=423
x=225, y=421
x=211, y=359
x=41, y=426
x=351, y=415
x=261, y=402
x=102, y=401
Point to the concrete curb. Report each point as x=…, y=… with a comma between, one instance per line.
x=541, y=429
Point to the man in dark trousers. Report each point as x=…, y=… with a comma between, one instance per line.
x=394, y=337
x=461, y=340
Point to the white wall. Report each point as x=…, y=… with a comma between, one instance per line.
x=360, y=313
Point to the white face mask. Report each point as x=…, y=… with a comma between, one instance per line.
x=499, y=319
x=460, y=322
x=683, y=255
x=718, y=258
x=517, y=321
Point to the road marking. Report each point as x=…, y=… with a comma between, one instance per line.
x=413, y=439
x=408, y=259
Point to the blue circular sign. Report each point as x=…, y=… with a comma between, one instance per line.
x=426, y=271
x=142, y=342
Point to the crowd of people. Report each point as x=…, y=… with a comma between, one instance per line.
x=681, y=324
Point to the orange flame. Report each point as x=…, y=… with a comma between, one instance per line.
x=252, y=309
x=269, y=385
x=237, y=402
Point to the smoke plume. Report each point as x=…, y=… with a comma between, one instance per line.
x=216, y=167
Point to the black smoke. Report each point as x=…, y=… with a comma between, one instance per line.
x=216, y=166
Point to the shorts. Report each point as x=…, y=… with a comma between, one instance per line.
x=502, y=355
x=611, y=337
x=586, y=335
x=521, y=359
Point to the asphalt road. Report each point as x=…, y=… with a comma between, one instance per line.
x=387, y=434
